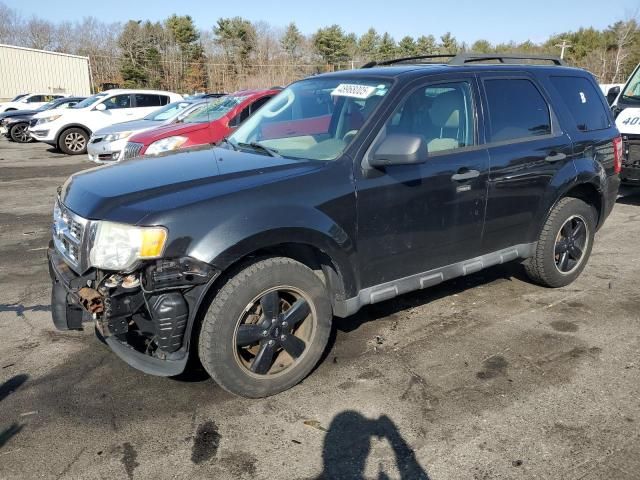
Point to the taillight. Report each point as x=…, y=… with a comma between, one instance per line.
x=617, y=154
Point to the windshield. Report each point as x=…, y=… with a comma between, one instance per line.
x=168, y=111
x=632, y=88
x=214, y=110
x=314, y=119
x=18, y=97
x=48, y=106
x=90, y=100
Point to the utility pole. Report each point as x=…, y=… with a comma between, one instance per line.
x=564, y=45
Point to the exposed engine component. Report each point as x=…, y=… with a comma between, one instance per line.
x=91, y=300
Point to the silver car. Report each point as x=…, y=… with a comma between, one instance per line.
x=107, y=144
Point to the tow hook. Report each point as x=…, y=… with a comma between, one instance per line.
x=91, y=300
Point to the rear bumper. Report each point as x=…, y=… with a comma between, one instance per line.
x=610, y=196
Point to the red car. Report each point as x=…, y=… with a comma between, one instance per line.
x=205, y=126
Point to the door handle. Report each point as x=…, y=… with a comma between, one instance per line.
x=555, y=157
x=464, y=174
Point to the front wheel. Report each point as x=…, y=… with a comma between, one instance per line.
x=266, y=328
x=564, y=244
x=20, y=133
x=73, y=141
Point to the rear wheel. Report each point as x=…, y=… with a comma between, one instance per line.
x=266, y=328
x=73, y=141
x=20, y=133
x=564, y=245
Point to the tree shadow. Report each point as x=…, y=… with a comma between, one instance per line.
x=6, y=389
x=347, y=445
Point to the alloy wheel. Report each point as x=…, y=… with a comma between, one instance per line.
x=75, y=142
x=571, y=243
x=274, y=331
x=21, y=133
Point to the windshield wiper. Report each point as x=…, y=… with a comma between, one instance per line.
x=258, y=146
x=228, y=142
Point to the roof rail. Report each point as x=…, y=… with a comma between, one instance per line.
x=464, y=58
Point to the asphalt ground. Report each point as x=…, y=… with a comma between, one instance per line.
x=484, y=377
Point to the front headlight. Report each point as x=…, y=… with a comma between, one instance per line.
x=112, y=137
x=48, y=119
x=165, y=145
x=118, y=247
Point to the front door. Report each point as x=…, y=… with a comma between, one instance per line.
x=413, y=218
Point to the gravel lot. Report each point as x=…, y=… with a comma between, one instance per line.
x=480, y=378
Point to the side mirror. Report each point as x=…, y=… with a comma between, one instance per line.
x=612, y=94
x=400, y=149
x=101, y=107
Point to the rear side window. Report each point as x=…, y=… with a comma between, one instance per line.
x=583, y=102
x=517, y=110
x=146, y=100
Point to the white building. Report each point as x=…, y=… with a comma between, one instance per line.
x=25, y=70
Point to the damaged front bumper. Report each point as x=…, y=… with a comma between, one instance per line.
x=145, y=317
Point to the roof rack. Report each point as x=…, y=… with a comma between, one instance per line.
x=464, y=58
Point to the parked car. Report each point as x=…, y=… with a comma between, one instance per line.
x=205, y=126
x=29, y=101
x=15, y=124
x=611, y=91
x=202, y=96
x=107, y=145
x=626, y=109
x=70, y=130
x=243, y=254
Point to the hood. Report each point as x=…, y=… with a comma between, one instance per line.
x=132, y=125
x=17, y=113
x=165, y=131
x=129, y=191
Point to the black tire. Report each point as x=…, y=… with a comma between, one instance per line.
x=218, y=343
x=557, y=261
x=20, y=133
x=73, y=141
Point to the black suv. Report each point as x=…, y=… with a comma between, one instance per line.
x=346, y=189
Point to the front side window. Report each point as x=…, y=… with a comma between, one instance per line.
x=117, y=102
x=314, y=119
x=442, y=114
x=583, y=102
x=517, y=110
x=35, y=99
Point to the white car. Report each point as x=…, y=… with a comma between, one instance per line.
x=29, y=101
x=70, y=130
x=107, y=144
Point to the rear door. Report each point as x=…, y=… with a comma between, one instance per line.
x=527, y=149
x=146, y=103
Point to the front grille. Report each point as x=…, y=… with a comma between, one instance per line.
x=631, y=150
x=132, y=150
x=69, y=235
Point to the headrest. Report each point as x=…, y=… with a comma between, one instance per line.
x=446, y=108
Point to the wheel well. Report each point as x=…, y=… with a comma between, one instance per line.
x=69, y=127
x=588, y=194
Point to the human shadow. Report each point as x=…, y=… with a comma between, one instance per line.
x=347, y=445
x=19, y=308
x=6, y=389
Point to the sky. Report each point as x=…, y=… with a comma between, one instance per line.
x=468, y=20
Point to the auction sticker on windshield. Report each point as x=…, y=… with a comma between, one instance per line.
x=629, y=120
x=354, y=91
